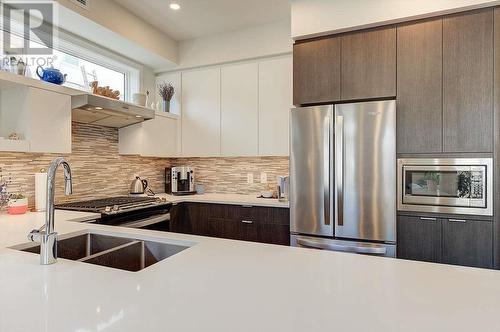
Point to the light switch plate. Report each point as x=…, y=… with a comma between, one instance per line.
x=263, y=177
x=249, y=178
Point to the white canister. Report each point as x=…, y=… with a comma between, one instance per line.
x=40, y=191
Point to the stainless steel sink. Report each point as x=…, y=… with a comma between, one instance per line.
x=123, y=253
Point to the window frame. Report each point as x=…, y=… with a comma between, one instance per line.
x=81, y=48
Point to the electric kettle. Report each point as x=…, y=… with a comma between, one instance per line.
x=138, y=186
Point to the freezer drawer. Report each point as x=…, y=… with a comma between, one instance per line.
x=366, y=248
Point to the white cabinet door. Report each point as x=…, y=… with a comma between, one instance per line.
x=130, y=140
x=50, y=117
x=275, y=101
x=239, y=110
x=201, y=113
x=159, y=137
x=151, y=138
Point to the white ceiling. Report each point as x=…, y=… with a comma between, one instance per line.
x=198, y=18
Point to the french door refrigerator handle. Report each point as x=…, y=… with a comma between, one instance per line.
x=339, y=169
x=326, y=167
x=342, y=248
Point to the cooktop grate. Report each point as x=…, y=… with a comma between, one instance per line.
x=104, y=202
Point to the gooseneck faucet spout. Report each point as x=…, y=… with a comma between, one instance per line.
x=46, y=235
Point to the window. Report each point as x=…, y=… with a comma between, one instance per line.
x=80, y=73
x=83, y=63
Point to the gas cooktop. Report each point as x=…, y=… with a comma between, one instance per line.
x=114, y=205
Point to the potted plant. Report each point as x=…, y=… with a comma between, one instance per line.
x=18, y=204
x=4, y=194
x=166, y=91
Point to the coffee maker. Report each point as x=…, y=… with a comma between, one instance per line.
x=180, y=181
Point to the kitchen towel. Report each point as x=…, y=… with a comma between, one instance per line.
x=40, y=191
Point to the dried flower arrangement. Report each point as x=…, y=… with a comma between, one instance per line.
x=4, y=195
x=166, y=91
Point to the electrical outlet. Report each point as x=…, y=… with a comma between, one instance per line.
x=249, y=178
x=263, y=177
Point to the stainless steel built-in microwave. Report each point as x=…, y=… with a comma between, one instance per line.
x=456, y=186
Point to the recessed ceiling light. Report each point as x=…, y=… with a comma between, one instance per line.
x=98, y=108
x=138, y=116
x=175, y=6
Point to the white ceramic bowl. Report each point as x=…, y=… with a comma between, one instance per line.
x=267, y=194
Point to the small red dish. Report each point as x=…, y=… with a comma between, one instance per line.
x=17, y=209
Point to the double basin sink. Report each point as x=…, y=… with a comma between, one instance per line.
x=116, y=252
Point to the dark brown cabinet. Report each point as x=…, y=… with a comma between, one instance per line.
x=316, y=71
x=468, y=82
x=368, y=64
x=419, y=238
x=247, y=223
x=468, y=242
x=446, y=240
x=419, y=87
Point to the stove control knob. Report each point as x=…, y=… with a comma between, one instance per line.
x=107, y=209
x=116, y=208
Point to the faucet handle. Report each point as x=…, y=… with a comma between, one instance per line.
x=35, y=235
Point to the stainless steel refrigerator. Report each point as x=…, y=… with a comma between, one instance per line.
x=343, y=177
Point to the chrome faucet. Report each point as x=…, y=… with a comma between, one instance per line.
x=46, y=235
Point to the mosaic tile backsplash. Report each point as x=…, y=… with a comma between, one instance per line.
x=99, y=171
x=229, y=175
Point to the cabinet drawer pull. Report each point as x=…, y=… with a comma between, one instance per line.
x=246, y=206
x=457, y=220
x=247, y=221
x=427, y=219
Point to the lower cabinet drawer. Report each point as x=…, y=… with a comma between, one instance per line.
x=468, y=242
x=247, y=223
x=457, y=241
x=419, y=238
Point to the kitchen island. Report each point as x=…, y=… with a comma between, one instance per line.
x=224, y=285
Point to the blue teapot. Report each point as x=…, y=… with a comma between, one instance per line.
x=51, y=75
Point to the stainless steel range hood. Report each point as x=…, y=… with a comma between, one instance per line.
x=108, y=112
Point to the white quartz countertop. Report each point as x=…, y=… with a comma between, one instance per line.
x=222, y=285
x=237, y=199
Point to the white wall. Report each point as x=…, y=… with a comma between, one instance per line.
x=318, y=17
x=261, y=41
x=148, y=82
x=112, y=26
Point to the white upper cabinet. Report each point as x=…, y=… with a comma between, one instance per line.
x=130, y=139
x=275, y=101
x=201, y=113
x=230, y=110
x=42, y=118
x=239, y=110
x=159, y=137
x=151, y=138
x=50, y=121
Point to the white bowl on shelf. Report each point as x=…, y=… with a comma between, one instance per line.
x=267, y=194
